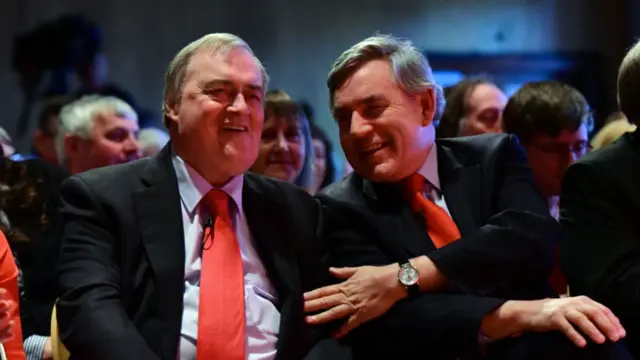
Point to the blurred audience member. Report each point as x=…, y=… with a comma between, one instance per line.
x=600, y=208
x=615, y=126
x=474, y=106
x=324, y=167
x=96, y=131
x=44, y=140
x=10, y=325
x=152, y=140
x=286, y=149
x=552, y=121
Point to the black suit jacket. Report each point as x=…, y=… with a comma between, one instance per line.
x=122, y=263
x=600, y=214
x=506, y=249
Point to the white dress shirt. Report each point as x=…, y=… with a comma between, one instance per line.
x=262, y=316
x=429, y=171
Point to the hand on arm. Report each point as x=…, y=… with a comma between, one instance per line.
x=573, y=316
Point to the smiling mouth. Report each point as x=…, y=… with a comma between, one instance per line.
x=374, y=148
x=235, y=128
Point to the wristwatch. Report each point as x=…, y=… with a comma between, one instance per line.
x=408, y=276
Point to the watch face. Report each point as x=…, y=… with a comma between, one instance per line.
x=408, y=276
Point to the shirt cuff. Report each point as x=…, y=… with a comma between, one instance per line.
x=34, y=346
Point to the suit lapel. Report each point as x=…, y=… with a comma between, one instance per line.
x=157, y=206
x=397, y=222
x=267, y=217
x=462, y=188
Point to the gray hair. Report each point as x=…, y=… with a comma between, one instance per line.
x=629, y=84
x=411, y=69
x=216, y=43
x=78, y=117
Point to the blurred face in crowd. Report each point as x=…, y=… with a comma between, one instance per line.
x=113, y=141
x=217, y=123
x=550, y=157
x=45, y=140
x=484, y=111
x=282, y=150
x=319, y=162
x=384, y=131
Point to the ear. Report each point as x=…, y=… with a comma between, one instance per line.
x=171, y=110
x=428, y=104
x=71, y=145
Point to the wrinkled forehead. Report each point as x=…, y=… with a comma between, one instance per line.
x=235, y=66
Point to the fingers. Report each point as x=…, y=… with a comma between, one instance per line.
x=566, y=327
x=322, y=292
x=618, y=328
x=580, y=319
x=335, y=313
x=343, y=273
x=324, y=303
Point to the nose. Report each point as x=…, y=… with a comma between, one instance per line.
x=131, y=147
x=239, y=105
x=282, y=143
x=360, y=127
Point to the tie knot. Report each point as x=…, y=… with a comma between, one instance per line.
x=217, y=202
x=415, y=184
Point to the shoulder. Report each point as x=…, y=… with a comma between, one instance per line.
x=277, y=190
x=481, y=145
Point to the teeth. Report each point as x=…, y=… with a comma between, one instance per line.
x=375, y=148
x=235, y=128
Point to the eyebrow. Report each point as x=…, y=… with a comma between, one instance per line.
x=359, y=102
x=227, y=83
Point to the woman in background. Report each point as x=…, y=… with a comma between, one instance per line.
x=324, y=167
x=286, y=150
x=615, y=126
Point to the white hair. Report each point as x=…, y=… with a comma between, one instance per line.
x=150, y=137
x=78, y=118
x=411, y=69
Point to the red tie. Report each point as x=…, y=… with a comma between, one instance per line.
x=440, y=226
x=221, y=313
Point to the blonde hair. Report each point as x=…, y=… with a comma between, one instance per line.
x=611, y=132
x=216, y=43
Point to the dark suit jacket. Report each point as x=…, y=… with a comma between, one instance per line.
x=600, y=214
x=506, y=249
x=122, y=262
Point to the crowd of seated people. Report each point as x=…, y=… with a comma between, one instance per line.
x=472, y=225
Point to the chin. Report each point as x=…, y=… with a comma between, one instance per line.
x=383, y=172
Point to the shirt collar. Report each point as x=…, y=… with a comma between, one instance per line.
x=193, y=187
x=429, y=169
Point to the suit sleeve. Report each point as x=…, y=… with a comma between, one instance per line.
x=92, y=321
x=437, y=321
x=600, y=252
x=516, y=245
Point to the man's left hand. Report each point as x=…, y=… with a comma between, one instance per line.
x=368, y=293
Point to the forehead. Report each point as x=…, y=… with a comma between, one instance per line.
x=235, y=66
x=487, y=95
x=111, y=119
x=372, y=80
x=282, y=121
x=568, y=136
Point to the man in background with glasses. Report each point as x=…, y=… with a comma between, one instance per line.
x=553, y=122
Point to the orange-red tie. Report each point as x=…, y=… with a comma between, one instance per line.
x=221, y=313
x=440, y=226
